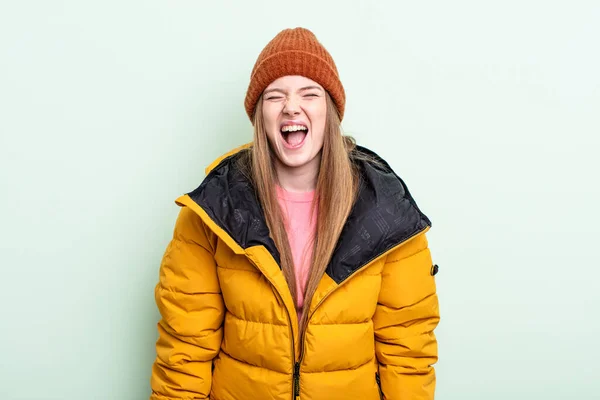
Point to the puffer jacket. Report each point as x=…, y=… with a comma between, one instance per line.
x=229, y=329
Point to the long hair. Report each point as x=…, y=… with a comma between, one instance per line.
x=337, y=186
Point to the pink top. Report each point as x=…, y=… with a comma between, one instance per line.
x=300, y=225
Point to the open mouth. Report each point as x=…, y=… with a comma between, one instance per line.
x=294, y=135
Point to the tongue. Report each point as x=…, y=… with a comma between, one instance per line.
x=295, y=138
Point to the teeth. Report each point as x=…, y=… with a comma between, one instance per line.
x=293, y=128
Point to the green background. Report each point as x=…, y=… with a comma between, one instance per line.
x=109, y=110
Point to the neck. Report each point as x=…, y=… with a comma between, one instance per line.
x=298, y=179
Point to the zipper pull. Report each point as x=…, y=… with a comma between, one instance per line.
x=297, y=381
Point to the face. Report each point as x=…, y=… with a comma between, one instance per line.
x=294, y=113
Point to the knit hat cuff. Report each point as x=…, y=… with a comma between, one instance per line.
x=284, y=63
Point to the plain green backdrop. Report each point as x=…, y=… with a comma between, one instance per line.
x=109, y=110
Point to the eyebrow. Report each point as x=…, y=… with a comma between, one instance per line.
x=300, y=90
x=310, y=87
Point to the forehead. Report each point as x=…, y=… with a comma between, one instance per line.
x=292, y=82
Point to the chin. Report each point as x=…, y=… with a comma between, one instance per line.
x=296, y=161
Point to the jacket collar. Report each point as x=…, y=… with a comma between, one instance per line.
x=384, y=214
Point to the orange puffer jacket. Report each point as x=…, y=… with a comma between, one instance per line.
x=229, y=329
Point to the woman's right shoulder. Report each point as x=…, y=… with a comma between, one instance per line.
x=228, y=169
x=227, y=181
x=238, y=151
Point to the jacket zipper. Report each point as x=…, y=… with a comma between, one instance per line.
x=378, y=379
x=297, y=381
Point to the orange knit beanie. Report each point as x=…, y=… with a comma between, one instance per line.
x=294, y=52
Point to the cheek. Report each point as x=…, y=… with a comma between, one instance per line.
x=320, y=137
x=272, y=134
x=270, y=121
x=318, y=119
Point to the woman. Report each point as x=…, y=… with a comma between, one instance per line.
x=299, y=268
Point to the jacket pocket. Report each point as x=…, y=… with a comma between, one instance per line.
x=378, y=380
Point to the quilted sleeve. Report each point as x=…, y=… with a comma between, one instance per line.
x=189, y=299
x=406, y=316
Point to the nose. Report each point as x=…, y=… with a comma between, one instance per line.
x=291, y=107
